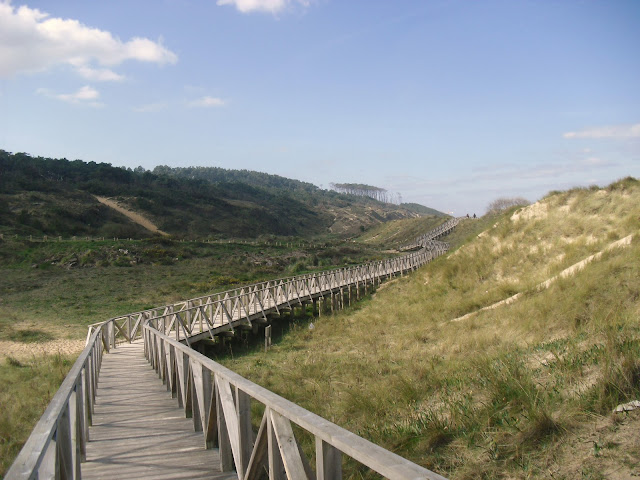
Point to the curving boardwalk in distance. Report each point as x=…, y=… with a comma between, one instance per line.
x=201, y=420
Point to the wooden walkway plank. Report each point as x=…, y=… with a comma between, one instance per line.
x=138, y=430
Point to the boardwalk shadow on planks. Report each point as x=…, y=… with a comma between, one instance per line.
x=138, y=429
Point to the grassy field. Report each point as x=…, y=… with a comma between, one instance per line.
x=522, y=391
x=51, y=291
x=399, y=232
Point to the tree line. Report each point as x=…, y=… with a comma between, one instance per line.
x=363, y=190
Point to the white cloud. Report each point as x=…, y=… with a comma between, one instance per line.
x=269, y=6
x=32, y=41
x=99, y=74
x=207, y=102
x=150, y=107
x=83, y=96
x=614, y=131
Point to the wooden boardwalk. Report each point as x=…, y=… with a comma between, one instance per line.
x=114, y=418
x=138, y=430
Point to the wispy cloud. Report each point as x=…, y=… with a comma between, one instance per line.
x=265, y=6
x=207, y=102
x=99, y=74
x=36, y=42
x=83, y=96
x=612, y=131
x=150, y=107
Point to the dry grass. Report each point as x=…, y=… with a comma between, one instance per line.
x=494, y=396
x=27, y=387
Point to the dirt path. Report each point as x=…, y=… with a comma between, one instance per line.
x=133, y=216
x=625, y=242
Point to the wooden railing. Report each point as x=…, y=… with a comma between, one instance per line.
x=56, y=446
x=428, y=240
x=219, y=401
x=214, y=313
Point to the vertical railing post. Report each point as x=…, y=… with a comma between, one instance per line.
x=276, y=466
x=328, y=461
x=243, y=407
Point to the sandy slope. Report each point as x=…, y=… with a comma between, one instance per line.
x=133, y=216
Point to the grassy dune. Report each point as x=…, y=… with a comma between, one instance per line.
x=400, y=232
x=522, y=391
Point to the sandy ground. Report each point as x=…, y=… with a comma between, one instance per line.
x=133, y=216
x=27, y=351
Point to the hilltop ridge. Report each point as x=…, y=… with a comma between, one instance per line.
x=44, y=196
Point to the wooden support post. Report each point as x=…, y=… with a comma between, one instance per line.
x=267, y=338
x=276, y=467
x=243, y=407
x=81, y=422
x=328, y=461
x=64, y=464
x=224, y=444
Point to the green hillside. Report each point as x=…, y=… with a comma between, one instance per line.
x=44, y=196
x=422, y=210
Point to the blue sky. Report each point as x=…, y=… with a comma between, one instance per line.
x=450, y=103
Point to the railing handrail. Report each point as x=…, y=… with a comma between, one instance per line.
x=58, y=440
x=424, y=240
x=64, y=420
x=367, y=453
x=226, y=311
x=267, y=284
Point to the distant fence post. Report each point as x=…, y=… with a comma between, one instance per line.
x=267, y=338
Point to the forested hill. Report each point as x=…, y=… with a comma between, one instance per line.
x=219, y=175
x=57, y=197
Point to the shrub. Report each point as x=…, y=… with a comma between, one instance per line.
x=504, y=203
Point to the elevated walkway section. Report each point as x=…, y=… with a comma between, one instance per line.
x=138, y=430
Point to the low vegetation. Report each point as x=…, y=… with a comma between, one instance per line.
x=522, y=391
x=45, y=196
x=27, y=387
x=397, y=233
x=51, y=291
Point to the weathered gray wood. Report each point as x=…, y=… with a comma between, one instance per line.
x=288, y=447
x=243, y=407
x=231, y=421
x=64, y=425
x=54, y=426
x=197, y=394
x=328, y=461
x=378, y=459
x=210, y=418
x=139, y=431
x=276, y=466
x=224, y=443
x=64, y=463
x=259, y=454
